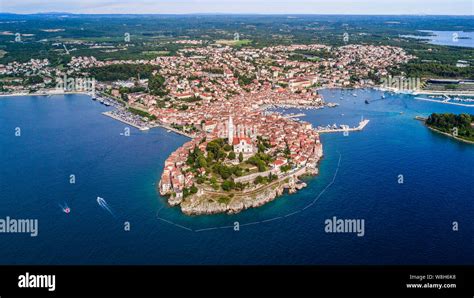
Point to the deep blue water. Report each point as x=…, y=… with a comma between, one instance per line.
x=409, y=223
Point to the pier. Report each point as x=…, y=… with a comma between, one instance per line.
x=420, y=118
x=173, y=130
x=445, y=101
x=121, y=119
x=361, y=126
x=289, y=116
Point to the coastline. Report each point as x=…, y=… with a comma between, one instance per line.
x=450, y=135
x=266, y=195
x=109, y=114
x=50, y=93
x=253, y=198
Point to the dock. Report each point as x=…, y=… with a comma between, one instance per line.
x=445, y=101
x=109, y=114
x=289, y=116
x=173, y=130
x=361, y=126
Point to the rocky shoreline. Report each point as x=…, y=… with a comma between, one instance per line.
x=197, y=205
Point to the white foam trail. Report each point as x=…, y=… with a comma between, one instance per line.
x=63, y=208
x=102, y=203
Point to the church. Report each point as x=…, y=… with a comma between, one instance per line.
x=241, y=143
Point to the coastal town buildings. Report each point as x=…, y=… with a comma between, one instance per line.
x=212, y=92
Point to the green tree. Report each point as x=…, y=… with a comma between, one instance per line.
x=156, y=84
x=228, y=185
x=210, y=157
x=202, y=162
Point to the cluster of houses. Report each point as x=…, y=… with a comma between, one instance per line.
x=240, y=122
x=212, y=72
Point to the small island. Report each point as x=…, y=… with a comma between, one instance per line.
x=459, y=127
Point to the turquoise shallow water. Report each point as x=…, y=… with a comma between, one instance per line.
x=407, y=223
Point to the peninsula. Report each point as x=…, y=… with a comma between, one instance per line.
x=240, y=154
x=459, y=127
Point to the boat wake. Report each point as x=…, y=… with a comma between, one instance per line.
x=102, y=203
x=65, y=208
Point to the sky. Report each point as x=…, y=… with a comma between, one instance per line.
x=393, y=7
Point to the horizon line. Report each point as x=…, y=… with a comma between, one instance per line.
x=230, y=13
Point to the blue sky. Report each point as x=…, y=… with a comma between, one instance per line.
x=428, y=7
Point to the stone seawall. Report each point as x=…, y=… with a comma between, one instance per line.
x=199, y=205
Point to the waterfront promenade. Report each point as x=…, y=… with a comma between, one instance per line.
x=169, y=128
